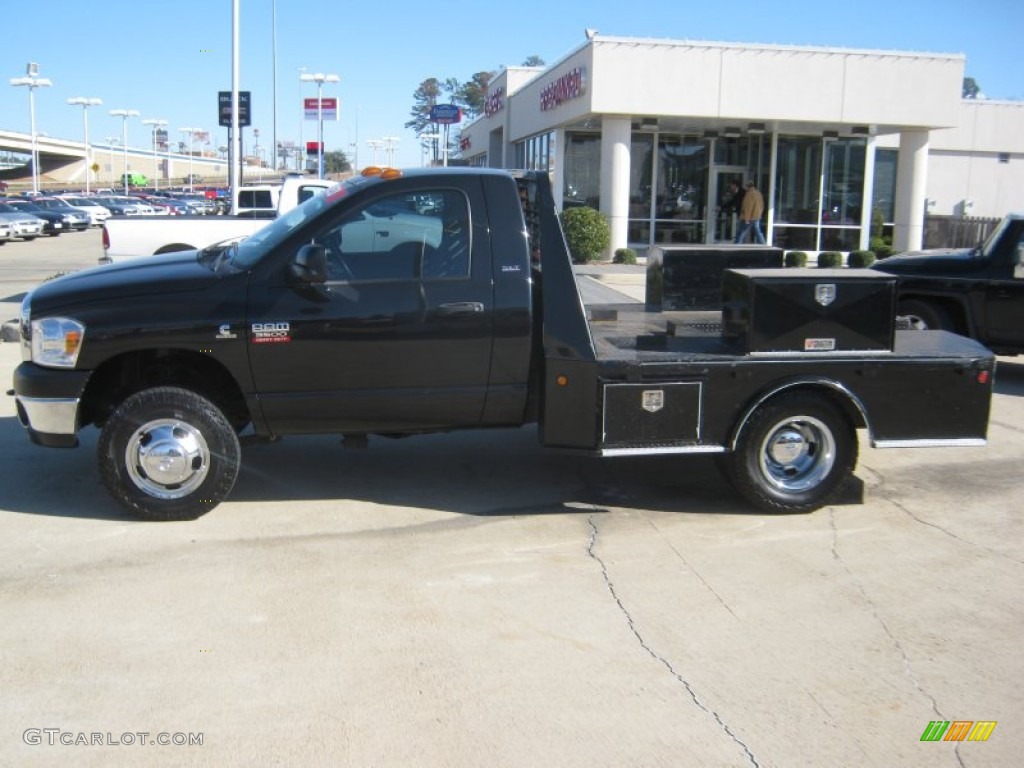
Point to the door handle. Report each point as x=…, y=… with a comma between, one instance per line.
x=460, y=308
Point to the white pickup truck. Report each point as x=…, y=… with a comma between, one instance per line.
x=126, y=237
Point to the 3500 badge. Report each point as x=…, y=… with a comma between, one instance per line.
x=271, y=333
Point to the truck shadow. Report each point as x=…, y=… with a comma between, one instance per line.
x=1009, y=378
x=493, y=473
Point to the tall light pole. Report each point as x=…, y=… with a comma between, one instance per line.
x=189, y=131
x=375, y=144
x=124, y=114
x=85, y=103
x=302, y=144
x=429, y=142
x=156, y=122
x=320, y=78
x=33, y=81
x=390, y=141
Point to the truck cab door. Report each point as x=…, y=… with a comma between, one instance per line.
x=1005, y=293
x=399, y=338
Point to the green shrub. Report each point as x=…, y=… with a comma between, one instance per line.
x=860, y=259
x=880, y=248
x=830, y=260
x=796, y=259
x=587, y=233
x=625, y=256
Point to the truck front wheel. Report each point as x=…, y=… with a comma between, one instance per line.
x=795, y=454
x=168, y=454
x=924, y=316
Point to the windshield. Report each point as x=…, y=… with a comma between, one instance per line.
x=993, y=239
x=256, y=246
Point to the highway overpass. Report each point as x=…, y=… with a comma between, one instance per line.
x=62, y=164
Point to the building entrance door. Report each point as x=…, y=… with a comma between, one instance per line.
x=722, y=213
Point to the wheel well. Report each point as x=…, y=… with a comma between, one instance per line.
x=122, y=376
x=173, y=247
x=833, y=392
x=953, y=308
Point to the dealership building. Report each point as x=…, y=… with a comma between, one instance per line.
x=651, y=133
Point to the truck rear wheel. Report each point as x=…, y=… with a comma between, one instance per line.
x=168, y=454
x=795, y=454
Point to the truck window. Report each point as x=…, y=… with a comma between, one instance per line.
x=255, y=198
x=401, y=237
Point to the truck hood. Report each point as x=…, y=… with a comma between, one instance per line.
x=152, y=275
x=944, y=261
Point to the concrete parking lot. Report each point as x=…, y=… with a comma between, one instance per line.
x=468, y=600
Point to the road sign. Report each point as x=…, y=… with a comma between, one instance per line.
x=329, y=107
x=445, y=114
x=224, y=108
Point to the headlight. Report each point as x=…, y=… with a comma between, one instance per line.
x=56, y=341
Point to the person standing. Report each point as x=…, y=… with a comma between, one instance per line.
x=751, y=210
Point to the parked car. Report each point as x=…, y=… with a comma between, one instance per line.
x=169, y=205
x=24, y=225
x=125, y=206
x=6, y=232
x=97, y=213
x=54, y=222
x=75, y=218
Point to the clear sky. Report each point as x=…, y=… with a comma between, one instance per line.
x=169, y=59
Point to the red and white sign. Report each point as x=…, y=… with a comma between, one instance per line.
x=495, y=102
x=569, y=86
x=328, y=106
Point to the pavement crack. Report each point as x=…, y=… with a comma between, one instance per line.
x=905, y=510
x=591, y=552
x=908, y=668
x=694, y=571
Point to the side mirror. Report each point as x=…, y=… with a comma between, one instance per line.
x=310, y=264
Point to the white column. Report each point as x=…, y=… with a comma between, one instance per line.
x=558, y=173
x=911, y=188
x=867, y=194
x=615, y=145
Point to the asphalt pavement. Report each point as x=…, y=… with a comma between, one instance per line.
x=469, y=599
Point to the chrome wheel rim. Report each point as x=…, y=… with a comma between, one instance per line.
x=167, y=458
x=797, y=454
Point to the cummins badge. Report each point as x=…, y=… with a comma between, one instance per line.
x=825, y=293
x=653, y=400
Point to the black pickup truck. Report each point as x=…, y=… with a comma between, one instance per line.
x=410, y=302
x=977, y=292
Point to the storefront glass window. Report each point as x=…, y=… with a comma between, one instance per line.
x=842, y=200
x=641, y=181
x=883, y=193
x=536, y=153
x=582, y=171
x=682, y=175
x=819, y=187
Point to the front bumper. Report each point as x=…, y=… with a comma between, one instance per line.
x=48, y=403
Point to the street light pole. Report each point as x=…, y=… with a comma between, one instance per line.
x=189, y=131
x=390, y=141
x=124, y=114
x=320, y=78
x=155, y=122
x=33, y=81
x=302, y=120
x=85, y=103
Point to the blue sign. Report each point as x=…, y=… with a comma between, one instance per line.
x=446, y=114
